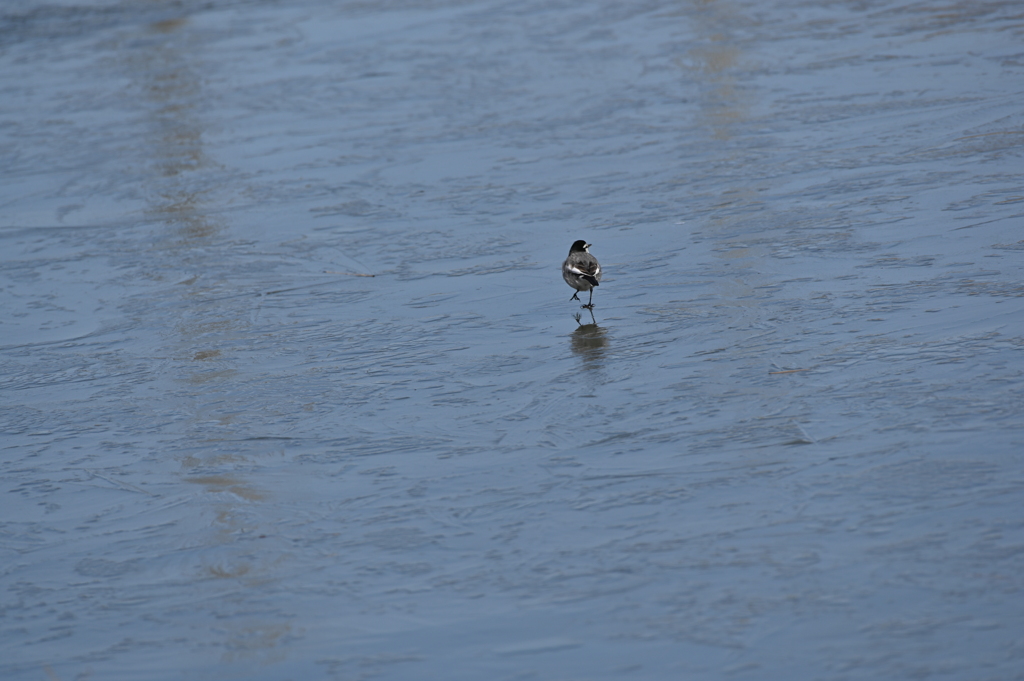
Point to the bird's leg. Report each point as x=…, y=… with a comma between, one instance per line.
x=590, y=303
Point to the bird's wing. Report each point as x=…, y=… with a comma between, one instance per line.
x=585, y=268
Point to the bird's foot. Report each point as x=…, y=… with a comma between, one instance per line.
x=588, y=306
x=574, y=297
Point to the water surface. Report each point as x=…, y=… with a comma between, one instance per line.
x=292, y=387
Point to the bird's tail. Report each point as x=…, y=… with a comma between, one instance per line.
x=593, y=280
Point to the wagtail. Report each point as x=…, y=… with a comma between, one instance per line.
x=581, y=271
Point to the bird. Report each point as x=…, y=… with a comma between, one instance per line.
x=581, y=271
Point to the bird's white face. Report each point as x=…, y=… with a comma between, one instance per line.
x=586, y=247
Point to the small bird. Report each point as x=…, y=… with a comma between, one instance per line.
x=581, y=271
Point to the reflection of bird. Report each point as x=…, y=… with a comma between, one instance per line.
x=581, y=271
x=589, y=342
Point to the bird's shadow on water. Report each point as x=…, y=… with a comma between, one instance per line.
x=589, y=342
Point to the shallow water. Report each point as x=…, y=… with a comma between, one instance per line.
x=292, y=387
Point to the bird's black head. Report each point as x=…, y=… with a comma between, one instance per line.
x=580, y=245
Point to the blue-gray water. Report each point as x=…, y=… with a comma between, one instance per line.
x=790, y=448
